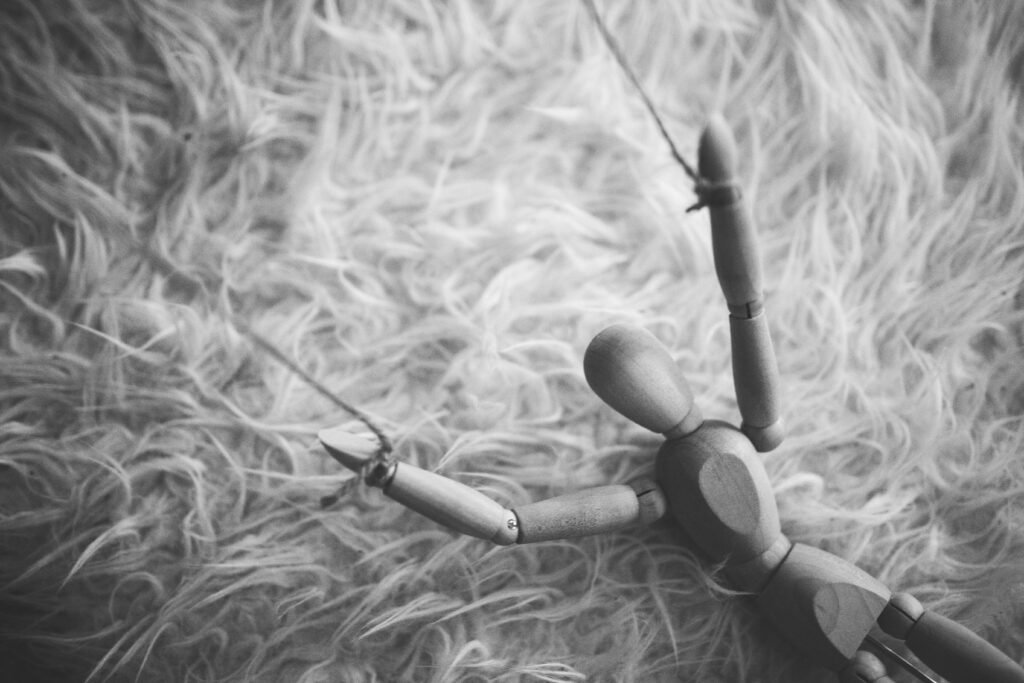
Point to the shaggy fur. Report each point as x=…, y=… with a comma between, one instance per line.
x=433, y=207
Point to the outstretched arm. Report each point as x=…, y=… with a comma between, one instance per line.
x=466, y=510
x=443, y=500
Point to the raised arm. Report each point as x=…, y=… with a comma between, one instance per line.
x=738, y=265
x=467, y=511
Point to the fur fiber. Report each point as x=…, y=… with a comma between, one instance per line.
x=433, y=207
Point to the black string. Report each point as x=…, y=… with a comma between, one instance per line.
x=382, y=458
x=266, y=345
x=704, y=194
x=621, y=59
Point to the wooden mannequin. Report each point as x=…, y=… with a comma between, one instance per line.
x=709, y=478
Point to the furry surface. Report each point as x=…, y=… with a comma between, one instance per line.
x=433, y=207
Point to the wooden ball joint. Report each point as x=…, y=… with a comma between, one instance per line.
x=709, y=478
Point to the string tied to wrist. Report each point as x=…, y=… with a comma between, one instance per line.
x=715, y=194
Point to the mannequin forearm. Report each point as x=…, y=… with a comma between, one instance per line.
x=467, y=511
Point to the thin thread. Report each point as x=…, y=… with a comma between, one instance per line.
x=621, y=59
x=382, y=458
x=385, y=443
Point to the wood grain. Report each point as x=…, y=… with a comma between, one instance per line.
x=823, y=604
x=755, y=373
x=451, y=504
x=958, y=654
x=949, y=648
x=634, y=374
x=718, y=490
x=733, y=240
x=581, y=513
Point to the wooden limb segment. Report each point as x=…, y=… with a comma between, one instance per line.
x=451, y=504
x=582, y=513
x=733, y=240
x=755, y=374
x=443, y=500
x=950, y=649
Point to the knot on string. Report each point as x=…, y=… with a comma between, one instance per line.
x=378, y=470
x=715, y=194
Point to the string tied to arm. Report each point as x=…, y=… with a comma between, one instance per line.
x=707, y=193
x=376, y=468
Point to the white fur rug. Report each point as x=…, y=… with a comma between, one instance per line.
x=432, y=207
